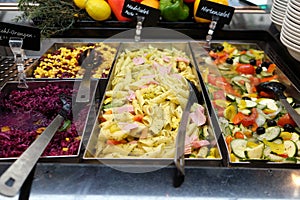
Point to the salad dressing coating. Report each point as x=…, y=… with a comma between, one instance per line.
x=142, y=110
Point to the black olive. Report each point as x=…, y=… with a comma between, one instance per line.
x=260, y=130
x=265, y=64
x=271, y=123
x=258, y=70
x=246, y=98
x=220, y=48
x=288, y=128
x=229, y=61
x=252, y=62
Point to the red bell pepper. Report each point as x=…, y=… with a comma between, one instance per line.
x=286, y=119
x=116, y=7
x=245, y=119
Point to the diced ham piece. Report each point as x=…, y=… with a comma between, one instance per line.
x=138, y=60
x=180, y=59
x=188, y=149
x=132, y=142
x=125, y=108
x=178, y=76
x=166, y=59
x=153, y=82
x=198, y=117
x=155, y=65
x=128, y=127
x=200, y=143
x=131, y=95
x=165, y=70
x=148, y=76
x=194, y=142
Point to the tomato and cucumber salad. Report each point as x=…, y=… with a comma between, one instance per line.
x=254, y=124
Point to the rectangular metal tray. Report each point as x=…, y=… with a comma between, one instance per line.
x=87, y=110
x=292, y=89
x=30, y=70
x=90, y=150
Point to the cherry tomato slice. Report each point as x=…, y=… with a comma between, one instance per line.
x=245, y=69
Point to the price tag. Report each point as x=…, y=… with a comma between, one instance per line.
x=31, y=36
x=133, y=9
x=208, y=9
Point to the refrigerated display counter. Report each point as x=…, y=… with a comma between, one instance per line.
x=77, y=178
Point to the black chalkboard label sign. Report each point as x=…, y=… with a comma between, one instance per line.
x=208, y=9
x=133, y=9
x=31, y=36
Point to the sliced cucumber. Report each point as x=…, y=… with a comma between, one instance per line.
x=269, y=103
x=290, y=148
x=261, y=106
x=245, y=111
x=272, y=157
x=265, y=74
x=295, y=137
x=230, y=97
x=260, y=120
x=270, y=134
x=290, y=100
x=250, y=104
x=224, y=67
x=238, y=147
x=298, y=147
x=278, y=141
x=238, y=79
x=255, y=152
x=246, y=104
x=248, y=87
x=275, y=158
x=290, y=160
x=297, y=110
x=245, y=58
x=228, y=131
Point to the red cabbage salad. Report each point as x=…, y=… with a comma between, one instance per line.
x=25, y=114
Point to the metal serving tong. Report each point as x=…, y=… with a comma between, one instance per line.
x=88, y=60
x=180, y=139
x=13, y=178
x=277, y=89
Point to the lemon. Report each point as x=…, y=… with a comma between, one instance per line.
x=99, y=10
x=80, y=3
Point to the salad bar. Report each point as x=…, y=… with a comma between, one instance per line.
x=139, y=93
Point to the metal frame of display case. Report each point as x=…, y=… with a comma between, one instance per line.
x=52, y=179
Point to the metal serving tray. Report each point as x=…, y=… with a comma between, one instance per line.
x=90, y=150
x=30, y=70
x=292, y=90
x=87, y=110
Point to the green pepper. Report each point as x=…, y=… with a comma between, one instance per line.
x=65, y=126
x=174, y=10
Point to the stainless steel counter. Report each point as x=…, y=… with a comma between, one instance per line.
x=63, y=181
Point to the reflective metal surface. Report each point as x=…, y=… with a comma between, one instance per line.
x=100, y=182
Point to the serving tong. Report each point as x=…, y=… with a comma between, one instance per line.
x=278, y=90
x=88, y=60
x=13, y=178
x=180, y=139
